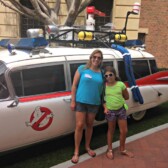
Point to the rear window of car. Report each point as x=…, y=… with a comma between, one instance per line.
x=140, y=69
x=153, y=66
x=39, y=80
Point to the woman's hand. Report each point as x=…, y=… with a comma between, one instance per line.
x=73, y=105
x=73, y=90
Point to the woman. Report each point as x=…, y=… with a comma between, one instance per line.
x=115, y=110
x=86, y=91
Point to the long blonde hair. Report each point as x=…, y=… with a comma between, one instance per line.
x=88, y=64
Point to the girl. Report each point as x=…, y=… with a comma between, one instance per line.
x=115, y=110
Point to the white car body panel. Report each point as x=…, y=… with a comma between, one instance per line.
x=17, y=122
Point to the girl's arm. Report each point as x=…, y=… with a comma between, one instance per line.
x=125, y=94
x=73, y=90
x=105, y=109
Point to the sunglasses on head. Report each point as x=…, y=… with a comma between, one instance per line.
x=95, y=57
x=109, y=75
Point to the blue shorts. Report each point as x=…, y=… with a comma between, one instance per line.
x=116, y=114
x=86, y=108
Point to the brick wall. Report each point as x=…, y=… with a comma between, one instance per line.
x=154, y=16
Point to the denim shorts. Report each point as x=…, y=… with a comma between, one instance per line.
x=116, y=114
x=87, y=108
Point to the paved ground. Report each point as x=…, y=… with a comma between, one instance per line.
x=150, y=149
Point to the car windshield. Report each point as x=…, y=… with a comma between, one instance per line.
x=3, y=86
x=2, y=68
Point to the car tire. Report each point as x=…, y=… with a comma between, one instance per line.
x=138, y=115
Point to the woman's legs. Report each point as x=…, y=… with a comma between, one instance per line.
x=88, y=133
x=80, y=122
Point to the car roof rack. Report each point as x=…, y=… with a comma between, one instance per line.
x=74, y=37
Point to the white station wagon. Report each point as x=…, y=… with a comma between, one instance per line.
x=35, y=90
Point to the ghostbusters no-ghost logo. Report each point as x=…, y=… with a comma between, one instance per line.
x=40, y=119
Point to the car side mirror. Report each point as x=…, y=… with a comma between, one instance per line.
x=14, y=103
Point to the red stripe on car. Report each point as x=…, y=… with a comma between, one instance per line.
x=159, y=78
x=45, y=96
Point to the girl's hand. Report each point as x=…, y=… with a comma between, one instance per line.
x=106, y=110
x=73, y=105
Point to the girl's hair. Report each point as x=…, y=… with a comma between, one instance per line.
x=89, y=63
x=111, y=69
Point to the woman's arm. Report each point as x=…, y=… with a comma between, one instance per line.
x=73, y=90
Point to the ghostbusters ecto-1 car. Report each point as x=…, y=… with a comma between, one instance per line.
x=36, y=79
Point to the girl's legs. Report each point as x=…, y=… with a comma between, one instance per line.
x=110, y=133
x=88, y=133
x=80, y=122
x=123, y=132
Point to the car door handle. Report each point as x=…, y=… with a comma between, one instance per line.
x=67, y=100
